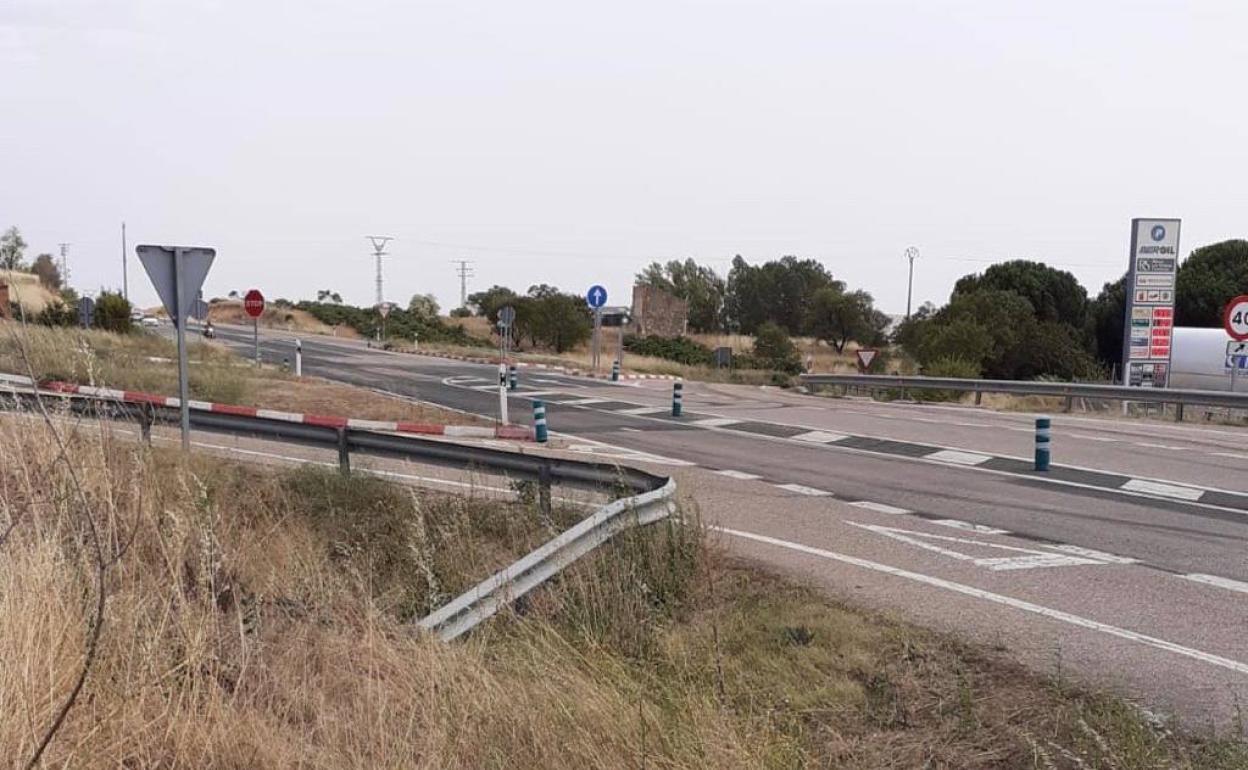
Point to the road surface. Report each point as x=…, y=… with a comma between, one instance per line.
x=1126, y=565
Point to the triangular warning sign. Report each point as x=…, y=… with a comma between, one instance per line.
x=158, y=262
x=865, y=357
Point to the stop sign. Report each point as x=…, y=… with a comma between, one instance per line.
x=253, y=303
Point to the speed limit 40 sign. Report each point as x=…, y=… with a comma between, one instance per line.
x=1235, y=318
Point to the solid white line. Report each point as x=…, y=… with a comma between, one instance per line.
x=1220, y=582
x=967, y=526
x=584, y=402
x=880, y=507
x=1094, y=554
x=641, y=411
x=958, y=457
x=804, y=490
x=819, y=437
x=979, y=593
x=1167, y=447
x=739, y=475
x=1160, y=489
x=715, y=422
x=1089, y=437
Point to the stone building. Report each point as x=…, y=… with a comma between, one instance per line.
x=657, y=313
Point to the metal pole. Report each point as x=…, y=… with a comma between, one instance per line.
x=619, y=350
x=298, y=358
x=502, y=393
x=180, y=324
x=597, y=337
x=255, y=332
x=911, y=254
x=125, y=279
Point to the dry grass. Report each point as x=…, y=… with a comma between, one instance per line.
x=289, y=319
x=256, y=619
x=144, y=362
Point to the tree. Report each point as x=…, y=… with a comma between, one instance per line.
x=425, y=305
x=1055, y=295
x=233, y=294
x=12, y=249
x=774, y=349
x=45, y=267
x=700, y=286
x=837, y=317
x=1211, y=277
x=549, y=317
x=321, y=296
x=779, y=291
x=112, y=313
x=1106, y=318
x=490, y=301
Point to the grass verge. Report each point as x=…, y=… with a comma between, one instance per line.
x=256, y=618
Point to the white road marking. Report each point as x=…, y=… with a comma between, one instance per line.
x=584, y=401
x=630, y=430
x=1220, y=582
x=1090, y=437
x=804, y=490
x=1030, y=560
x=740, y=475
x=1161, y=489
x=644, y=410
x=1094, y=554
x=533, y=393
x=819, y=437
x=958, y=457
x=715, y=422
x=1167, y=447
x=1235, y=455
x=880, y=508
x=979, y=593
x=970, y=527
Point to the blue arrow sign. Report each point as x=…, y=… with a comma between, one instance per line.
x=596, y=296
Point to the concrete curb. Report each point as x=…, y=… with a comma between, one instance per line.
x=329, y=421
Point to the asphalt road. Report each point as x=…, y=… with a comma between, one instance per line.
x=1126, y=565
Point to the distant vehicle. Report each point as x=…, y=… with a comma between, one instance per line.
x=210, y=331
x=136, y=316
x=149, y=322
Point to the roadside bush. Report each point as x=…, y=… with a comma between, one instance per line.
x=679, y=349
x=57, y=314
x=949, y=366
x=112, y=313
x=774, y=350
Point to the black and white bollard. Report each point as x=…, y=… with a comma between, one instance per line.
x=298, y=358
x=513, y=379
x=1043, y=427
x=677, y=396
x=539, y=422
x=615, y=371
x=502, y=393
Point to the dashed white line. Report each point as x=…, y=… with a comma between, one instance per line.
x=1167, y=447
x=819, y=437
x=715, y=422
x=956, y=457
x=584, y=402
x=1173, y=491
x=643, y=410
x=891, y=510
x=740, y=475
x=967, y=526
x=1018, y=604
x=804, y=490
x=1090, y=437
x=1220, y=582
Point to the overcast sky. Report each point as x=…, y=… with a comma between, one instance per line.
x=572, y=142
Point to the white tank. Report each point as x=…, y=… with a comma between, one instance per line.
x=1198, y=361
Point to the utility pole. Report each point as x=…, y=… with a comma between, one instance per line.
x=911, y=254
x=464, y=272
x=65, y=263
x=379, y=250
x=125, y=278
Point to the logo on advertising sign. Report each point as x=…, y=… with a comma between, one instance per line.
x=1158, y=233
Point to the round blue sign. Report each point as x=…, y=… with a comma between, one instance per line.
x=1159, y=232
x=596, y=296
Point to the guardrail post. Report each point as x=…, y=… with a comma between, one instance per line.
x=979, y=398
x=615, y=371
x=543, y=488
x=1070, y=404
x=1178, y=412
x=1043, y=427
x=539, y=422
x=344, y=452
x=678, y=395
x=147, y=416
x=513, y=379
x=298, y=358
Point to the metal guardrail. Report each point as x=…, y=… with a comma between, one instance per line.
x=1039, y=388
x=652, y=496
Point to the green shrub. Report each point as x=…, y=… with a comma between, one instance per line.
x=774, y=350
x=679, y=349
x=948, y=366
x=112, y=313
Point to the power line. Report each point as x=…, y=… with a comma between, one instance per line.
x=464, y=272
x=379, y=245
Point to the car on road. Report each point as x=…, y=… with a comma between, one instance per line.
x=149, y=322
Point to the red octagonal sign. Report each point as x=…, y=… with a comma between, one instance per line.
x=1235, y=318
x=253, y=303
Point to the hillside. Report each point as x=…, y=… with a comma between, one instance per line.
x=24, y=288
x=287, y=318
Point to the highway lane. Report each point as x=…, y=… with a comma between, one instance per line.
x=1166, y=569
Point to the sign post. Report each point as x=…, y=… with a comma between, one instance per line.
x=1149, y=323
x=177, y=273
x=383, y=309
x=86, y=312
x=596, y=297
x=253, y=303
